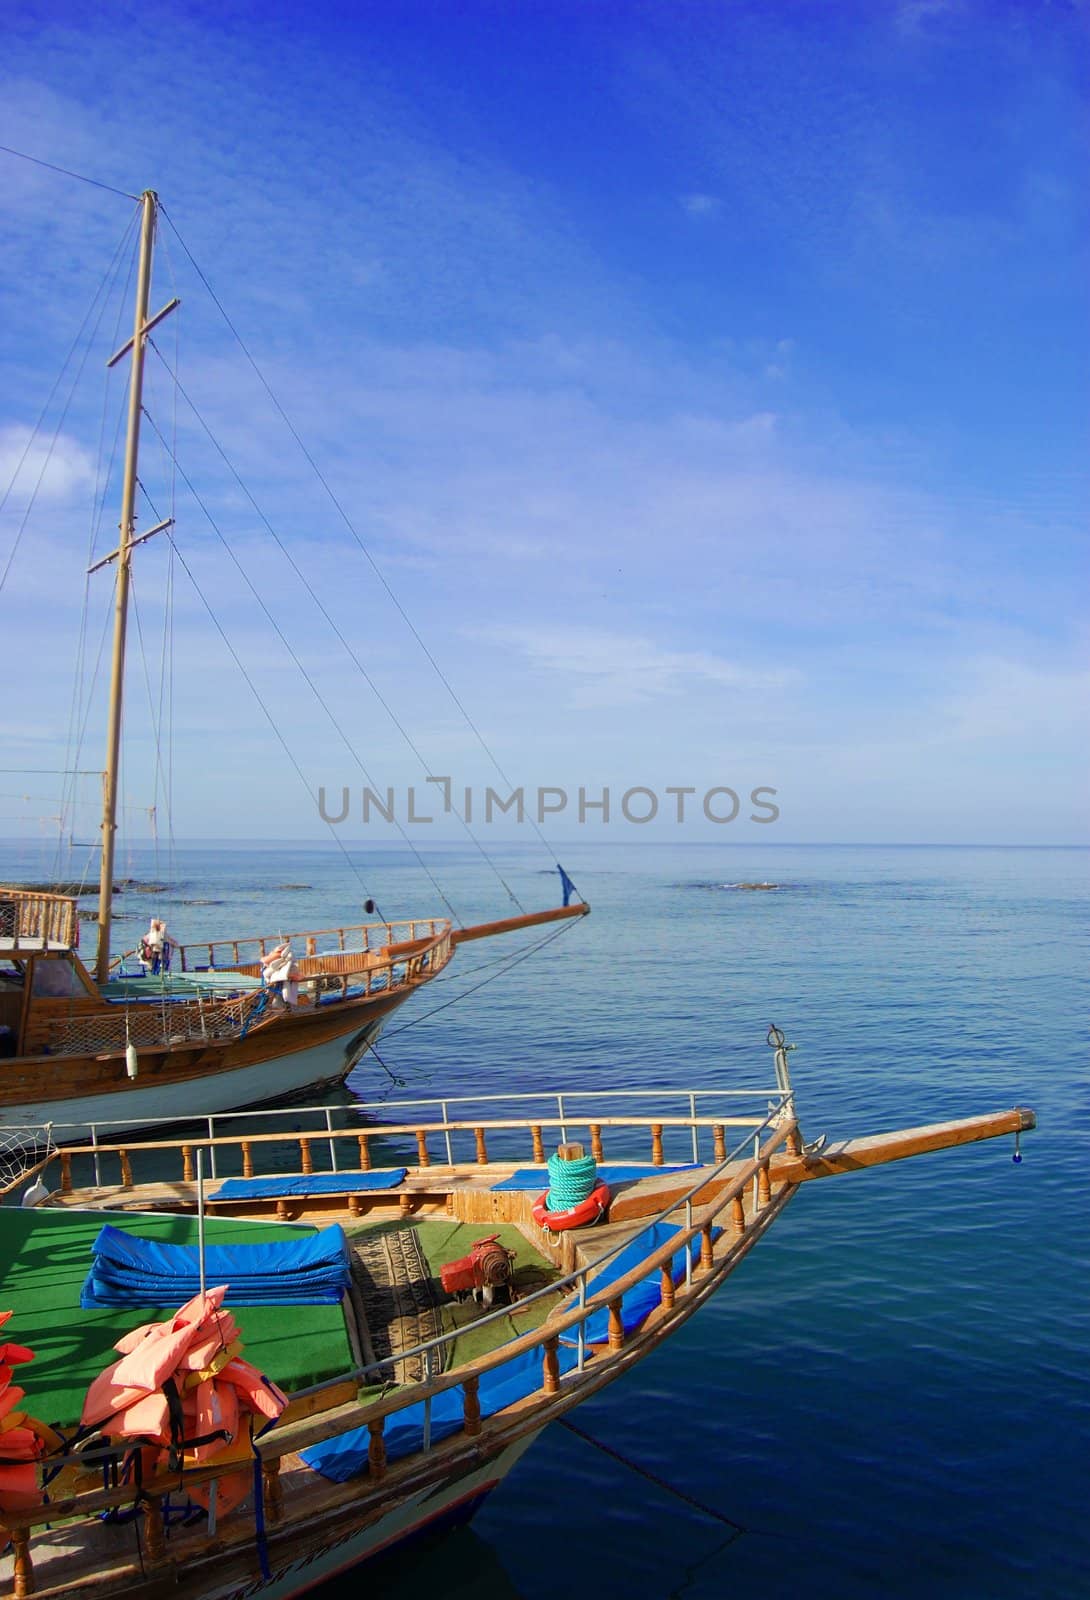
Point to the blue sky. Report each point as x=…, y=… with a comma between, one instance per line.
x=708, y=382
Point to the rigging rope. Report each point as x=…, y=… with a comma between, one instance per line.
x=351, y=653
x=270, y=719
x=306, y=676
x=343, y=514
x=100, y=293
x=73, y=737
x=156, y=730
x=653, y=1477
x=68, y=173
x=523, y=955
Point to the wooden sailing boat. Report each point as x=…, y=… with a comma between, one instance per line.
x=83, y=1047
x=413, y=1431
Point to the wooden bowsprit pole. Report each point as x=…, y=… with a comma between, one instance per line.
x=852, y=1155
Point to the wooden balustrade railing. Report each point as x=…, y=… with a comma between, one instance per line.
x=357, y=939
x=329, y=1138
x=28, y=918
x=186, y=1021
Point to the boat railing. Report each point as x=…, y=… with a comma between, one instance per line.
x=30, y=920
x=715, y=1220
x=147, y=1025
x=473, y=1129
x=176, y=1021
x=357, y=940
x=561, y=1111
x=752, y=1153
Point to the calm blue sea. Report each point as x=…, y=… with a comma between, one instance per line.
x=890, y=1395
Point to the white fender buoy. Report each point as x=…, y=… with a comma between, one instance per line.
x=132, y=1060
x=35, y=1194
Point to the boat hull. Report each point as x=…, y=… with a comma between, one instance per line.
x=226, y=1086
x=336, y=1548
x=431, y=1511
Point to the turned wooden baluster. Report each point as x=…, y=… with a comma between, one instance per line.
x=551, y=1364
x=306, y=1160
x=376, y=1450
x=187, y=1163
x=482, y=1148
x=471, y=1411
x=423, y=1158
x=656, y=1145
x=707, y=1254
x=154, y=1536
x=596, y=1142
x=24, y=1570
x=667, y=1279
x=794, y=1140
x=126, y=1169
x=616, y=1326
x=247, y=1159
x=764, y=1185
x=365, y=1153
x=719, y=1142
x=539, y=1148
x=738, y=1215
x=66, y=1172
x=273, y=1489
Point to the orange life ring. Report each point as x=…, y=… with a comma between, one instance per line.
x=589, y=1210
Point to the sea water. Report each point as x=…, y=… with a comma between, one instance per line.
x=889, y=1396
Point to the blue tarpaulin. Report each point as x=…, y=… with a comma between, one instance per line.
x=346, y=1455
x=128, y=1270
x=536, y=1178
x=641, y=1301
x=299, y=1187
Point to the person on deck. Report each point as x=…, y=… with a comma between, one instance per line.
x=156, y=948
x=280, y=974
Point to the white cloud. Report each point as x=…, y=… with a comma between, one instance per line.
x=613, y=669
x=56, y=472
x=1023, y=705
x=701, y=205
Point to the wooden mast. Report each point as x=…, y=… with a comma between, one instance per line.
x=149, y=201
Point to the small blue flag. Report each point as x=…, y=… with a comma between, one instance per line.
x=566, y=885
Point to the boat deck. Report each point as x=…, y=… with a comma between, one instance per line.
x=16, y=946
x=44, y=1258
x=46, y=1254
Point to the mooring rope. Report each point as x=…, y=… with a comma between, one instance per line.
x=570, y=1182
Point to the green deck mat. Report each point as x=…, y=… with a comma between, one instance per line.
x=45, y=1257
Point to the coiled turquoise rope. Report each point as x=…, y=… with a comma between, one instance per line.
x=570, y=1182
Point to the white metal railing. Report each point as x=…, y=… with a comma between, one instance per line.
x=561, y=1108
